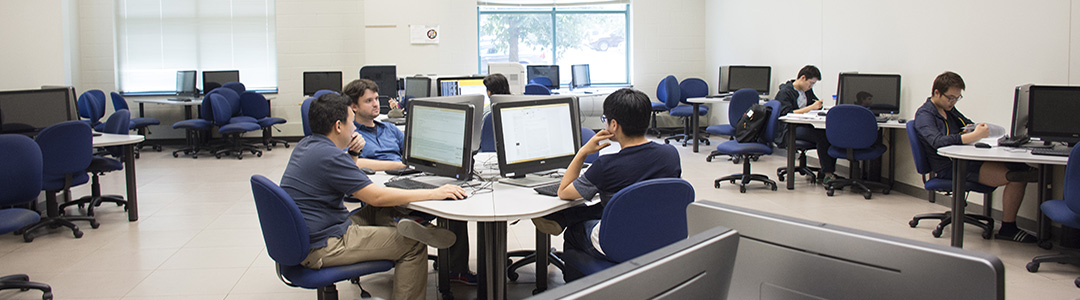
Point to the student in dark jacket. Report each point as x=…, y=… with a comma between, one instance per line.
x=797, y=96
x=939, y=124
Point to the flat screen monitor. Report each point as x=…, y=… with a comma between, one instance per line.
x=1019, y=129
x=417, y=87
x=1052, y=112
x=535, y=135
x=438, y=138
x=514, y=73
x=453, y=86
x=30, y=111
x=315, y=81
x=781, y=257
x=477, y=101
x=579, y=76
x=878, y=92
x=386, y=78
x=185, y=84
x=734, y=78
x=215, y=79
x=698, y=267
x=549, y=71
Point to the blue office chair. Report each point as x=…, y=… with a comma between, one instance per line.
x=624, y=235
x=304, y=107
x=117, y=124
x=852, y=131
x=934, y=185
x=20, y=184
x=1066, y=212
x=542, y=80
x=139, y=124
x=287, y=241
x=233, y=98
x=586, y=134
x=745, y=151
x=236, y=86
x=255, y=105
x=196, y=130
x=741, y=101
x=324, y=92
x=66, y=151
x=487, y=135
x=88, y=110
x=657, y=108
x=689, y=88
x=229, y=130
x=536, y=89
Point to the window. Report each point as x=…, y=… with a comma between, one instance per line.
x=157, y=38
x=558, y=35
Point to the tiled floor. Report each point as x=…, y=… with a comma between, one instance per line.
x=198, y=236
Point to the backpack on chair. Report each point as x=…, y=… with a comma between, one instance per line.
x=752, y=124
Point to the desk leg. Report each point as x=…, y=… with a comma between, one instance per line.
x=129, y=174
x=444, y=265
x=694, y=125
x=493, y=271
x=791, y=156
x=892, y=157
x=959, y=186
x=141, y=110
x=1044, y=193
x=187, y=112
x=543, y=250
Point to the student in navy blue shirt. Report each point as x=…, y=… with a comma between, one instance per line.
x=320, y=173
x=626, y=115
x=385, y=143
x=939, y=124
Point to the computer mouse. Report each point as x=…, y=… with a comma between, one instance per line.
x=821, y=113
x=368, y=171
x=982, y=145
x=902, y=121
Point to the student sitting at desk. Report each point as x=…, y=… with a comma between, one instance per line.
x=626, y=114
x=497, y=84
x=797, y=96
x=939, y=124
x=320, y=173
x=385, y=145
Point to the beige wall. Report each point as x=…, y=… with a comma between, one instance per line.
x=34, y=43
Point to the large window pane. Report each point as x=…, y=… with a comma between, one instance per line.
x=595, y=39
x=520, y=37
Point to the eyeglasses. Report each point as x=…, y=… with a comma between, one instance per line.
x=603, y=119
x=954, y=98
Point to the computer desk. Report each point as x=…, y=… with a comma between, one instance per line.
x=128, y=141
x=960, y=154
x=694, y=118
x=188, y=105
x=793, y=119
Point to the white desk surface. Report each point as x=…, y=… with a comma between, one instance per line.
x=169, y=102
x=111, y=139
x=819, y=121
x=1002, y=154
x=709, y=100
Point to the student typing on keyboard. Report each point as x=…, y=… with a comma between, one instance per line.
x=626, y=116
x=320, y=173
x=939, y=124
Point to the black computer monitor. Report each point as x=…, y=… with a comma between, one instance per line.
x=417, y=87
x=1052, y=112
x=185, y=84
x=549, y=71
x=468, y=85
x=699, y=267
x=878, y=92
x=1020, y=112
x=326, y=80
x=734, y=78
x=215, y=79
x=579, y=76
x=477, y=101
x=535, y=135
x=30, y=111
x=386, y=78
x=781, y=257
x=438, y=138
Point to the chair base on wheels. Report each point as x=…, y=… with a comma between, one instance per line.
x=143, y=131
x=55, y=219
x=528, y=257
x=22, y=282
x=744, y=178
x=984, y=222
x=802, y=168
x=1070, y=256
x=95, y=198
x=235, y=146
x=194, y=139
x=269, y=141
x=863, y=186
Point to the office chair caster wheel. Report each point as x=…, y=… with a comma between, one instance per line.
x=513, y=276
x=936, y=233
x=28, y=238
x=986, y=235
x=286, y=145
x=913, y=223
x=136, y=155
x=1033, y=267
x=258, y=154
x=174, y=155
x=742, y=189
x=885, y=191
x=736, y=160
x=218, y=156
x=194, y=156
x=157, y=148
x=94, y=224
x=716, y=184
x=773, y=187
x=667, y=142
x=829, y=191
x=867, y=195
x=708, y=159
x=1076, y=282
x=77, y=233
x=1046, y=245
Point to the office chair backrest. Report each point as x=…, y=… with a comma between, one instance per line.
x=254, y=105
x=541, y=80
x=536, y=89
x=587, y=134
x=304, y=107
x=89, y=108
x=741, y=101
x=66, y=148
x=774, y=116
x=236, y=86
x=20, y=170
x=487, y=135
x=1072, y=181
x=692, y=88
x=857, y=126
x=668, y=91
x=221, y=110
x=99, y=96
x=231, y=97
x=283, y=227
x=323, y=92
x=645, y=216
x=118, y=124
x=118, y=101
x=921, y=164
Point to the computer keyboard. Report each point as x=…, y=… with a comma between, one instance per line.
x=882, y=119
x=409, y=184
x=551, y=189
x=1007, y=141
x=1051, y=151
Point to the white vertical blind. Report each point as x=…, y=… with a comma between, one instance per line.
x=155, y=38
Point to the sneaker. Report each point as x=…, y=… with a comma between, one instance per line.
x=547, y=226
x=828, y=179
x=432, y=236
x=1019, y=236
x=467, y=278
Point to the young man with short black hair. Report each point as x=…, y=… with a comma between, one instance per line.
x=797, y=96
x=497, y=84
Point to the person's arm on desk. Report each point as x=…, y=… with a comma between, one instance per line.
x=381, y=196
x=566, y=187
x=808, y=108
x=379, y=165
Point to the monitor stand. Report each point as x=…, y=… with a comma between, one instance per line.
x=530, y=180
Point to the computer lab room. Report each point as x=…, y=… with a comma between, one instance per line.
x=544, y=149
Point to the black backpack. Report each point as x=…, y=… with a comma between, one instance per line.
x=752, y=124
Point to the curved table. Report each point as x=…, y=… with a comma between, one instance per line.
x=128, y=142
